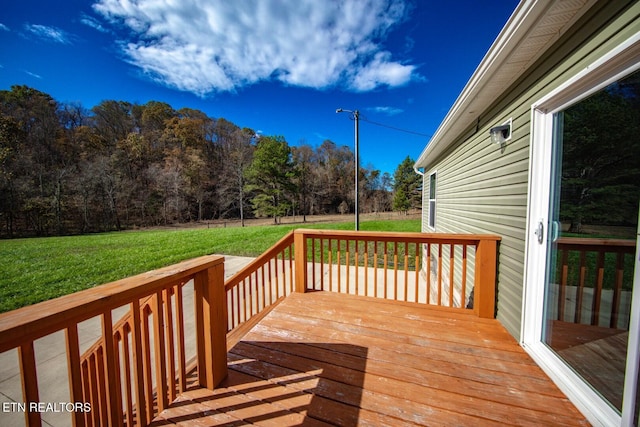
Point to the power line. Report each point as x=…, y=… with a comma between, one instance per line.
x=393, y=127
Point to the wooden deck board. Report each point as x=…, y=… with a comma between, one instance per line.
x=602, y=363
x=332, y=359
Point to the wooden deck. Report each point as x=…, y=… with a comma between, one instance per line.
x=323, y=358
x=596, y=353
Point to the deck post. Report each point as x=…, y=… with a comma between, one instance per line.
x=484, y=294
x=211, y=326
x=300, y=254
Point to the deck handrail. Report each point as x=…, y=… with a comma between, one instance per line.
x=20, y=328
x=275, y=250
x=449, y=252
x=260, y=284
x=289, y=266
x=591, y=274
x=390, y=236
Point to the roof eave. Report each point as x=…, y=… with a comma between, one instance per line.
x=475, y=97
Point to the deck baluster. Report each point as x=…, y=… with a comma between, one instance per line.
x=74, y=370
x=29, y=380
x=159, y=349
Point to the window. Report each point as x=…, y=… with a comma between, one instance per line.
x=432, y=201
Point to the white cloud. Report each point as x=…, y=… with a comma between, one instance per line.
x=390, y=111
x=93, y=23
x=204, y=46
x=4, y=27
x=37, y=76
x=47, y=33
x=381, y=70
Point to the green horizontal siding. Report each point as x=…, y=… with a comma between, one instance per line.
x=482, y=188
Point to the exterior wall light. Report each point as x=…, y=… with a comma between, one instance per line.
x=501, y=134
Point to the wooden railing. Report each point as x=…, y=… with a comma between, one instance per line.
x=92, y=361
x=262, y=283
x=591, y=275
x=376, y=264
x=392, y=265
x=139, y=363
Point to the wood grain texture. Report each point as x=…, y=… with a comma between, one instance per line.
x=321, y=358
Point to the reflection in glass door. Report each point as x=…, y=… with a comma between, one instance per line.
x=592, y=236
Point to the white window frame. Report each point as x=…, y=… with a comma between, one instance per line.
x=613, y=66
x=433, y=182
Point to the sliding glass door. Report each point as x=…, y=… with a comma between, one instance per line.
x=581, y=319
x=593, y=218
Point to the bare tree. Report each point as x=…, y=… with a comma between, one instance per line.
x=304, y=158
x=237, y=151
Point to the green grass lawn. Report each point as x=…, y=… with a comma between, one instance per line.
x=38, y=269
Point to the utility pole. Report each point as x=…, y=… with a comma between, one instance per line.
x=356, y=118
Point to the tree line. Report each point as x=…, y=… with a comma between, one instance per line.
x=66, y=169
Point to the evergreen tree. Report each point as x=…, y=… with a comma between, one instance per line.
x=270, y=177
x=601, y=148
x=406, y=186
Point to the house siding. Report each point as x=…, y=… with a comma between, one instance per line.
x=483, y=188
x=425, y=204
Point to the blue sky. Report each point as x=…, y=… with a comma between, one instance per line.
x=278, y=67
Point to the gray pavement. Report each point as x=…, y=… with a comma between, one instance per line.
x=51, y=362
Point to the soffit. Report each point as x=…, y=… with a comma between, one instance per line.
x=532, y=28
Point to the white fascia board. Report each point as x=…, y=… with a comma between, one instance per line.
x=524, y=17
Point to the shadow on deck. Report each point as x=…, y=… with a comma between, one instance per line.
x=323, y=358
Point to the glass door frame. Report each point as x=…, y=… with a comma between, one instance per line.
x=633, y=358
x=617, y=63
